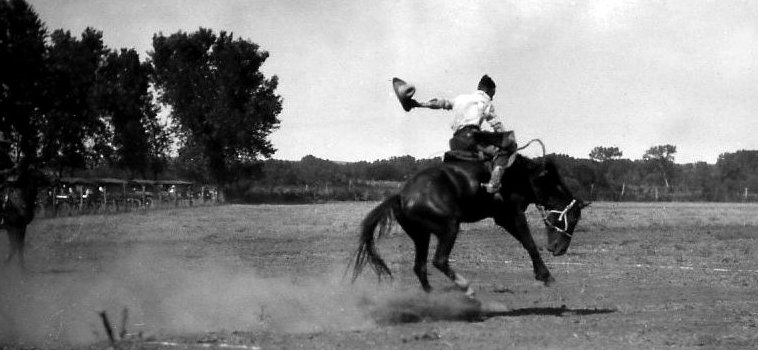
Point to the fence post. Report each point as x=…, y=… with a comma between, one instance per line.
x=623, y=188
x=55, y=202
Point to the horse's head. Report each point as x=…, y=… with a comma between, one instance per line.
x=560, y=210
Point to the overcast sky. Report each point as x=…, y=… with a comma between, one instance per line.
x=574, y=74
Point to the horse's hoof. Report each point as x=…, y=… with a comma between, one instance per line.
x=549, y=281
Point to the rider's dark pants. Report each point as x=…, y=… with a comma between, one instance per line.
x=469, y=138
x=463, y=139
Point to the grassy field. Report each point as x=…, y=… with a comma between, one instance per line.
x=638, y=275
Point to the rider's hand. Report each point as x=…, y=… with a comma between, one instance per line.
x=490, y=150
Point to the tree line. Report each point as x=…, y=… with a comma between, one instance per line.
x=604, y=175
x=608, y=176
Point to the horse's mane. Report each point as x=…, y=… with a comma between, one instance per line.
x=527, y=163
x=541, y=166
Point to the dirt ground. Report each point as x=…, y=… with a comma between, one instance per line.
x=637, y=276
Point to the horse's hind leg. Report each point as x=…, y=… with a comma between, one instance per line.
x=421, y=241
x=446, y=241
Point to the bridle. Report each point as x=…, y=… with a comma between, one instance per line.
x=546, y=213
x=561, y=217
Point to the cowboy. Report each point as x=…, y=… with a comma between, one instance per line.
x=470, y=111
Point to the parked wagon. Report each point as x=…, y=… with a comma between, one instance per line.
x=72, y=194
x=177, y=191
x=144, y=193
x=112, y=193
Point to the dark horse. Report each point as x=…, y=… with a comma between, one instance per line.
x=18, y=202
x=438, y=199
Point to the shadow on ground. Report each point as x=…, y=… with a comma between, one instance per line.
x=420, y=307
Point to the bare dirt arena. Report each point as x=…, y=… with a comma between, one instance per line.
x=637, y=276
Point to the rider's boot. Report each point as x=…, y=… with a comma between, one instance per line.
x=501, y=163
x=494, y=185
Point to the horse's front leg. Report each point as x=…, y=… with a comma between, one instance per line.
x=515, y=223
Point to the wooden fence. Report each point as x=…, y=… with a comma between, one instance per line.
x=76, y=196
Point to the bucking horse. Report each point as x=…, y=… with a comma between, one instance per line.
x=436, y=200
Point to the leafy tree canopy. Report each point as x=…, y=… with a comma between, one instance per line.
x=662, y=156
x=22, y=48
x=124, y=98
x=223, y=106
x=602, y=154
x=663, y=153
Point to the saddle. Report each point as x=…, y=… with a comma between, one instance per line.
x=465, y=156
x=491, y=143
x=504, y=140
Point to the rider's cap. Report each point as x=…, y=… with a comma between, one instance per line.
x=404, y=93
x=486, y=83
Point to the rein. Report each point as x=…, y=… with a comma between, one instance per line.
x=561, y=217
x=502, y=152
x=530, y=142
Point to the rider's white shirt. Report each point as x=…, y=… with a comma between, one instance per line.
x=474, y=109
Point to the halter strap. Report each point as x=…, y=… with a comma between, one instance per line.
x=561, y=216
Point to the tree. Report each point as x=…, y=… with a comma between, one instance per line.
x=159, y=144
x=71, y=117
x=139, y=140
x=738, y=170
x=22, y=74
x=699, y=177
x=662, y=157
x=602, y=154
x=313, y=170
x=222, y=105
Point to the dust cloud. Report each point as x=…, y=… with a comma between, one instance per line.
x=168, y=296
x=165, y=296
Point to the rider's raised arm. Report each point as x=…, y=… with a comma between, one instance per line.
x=437, y=103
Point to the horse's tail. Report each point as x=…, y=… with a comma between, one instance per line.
x=383, y=217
